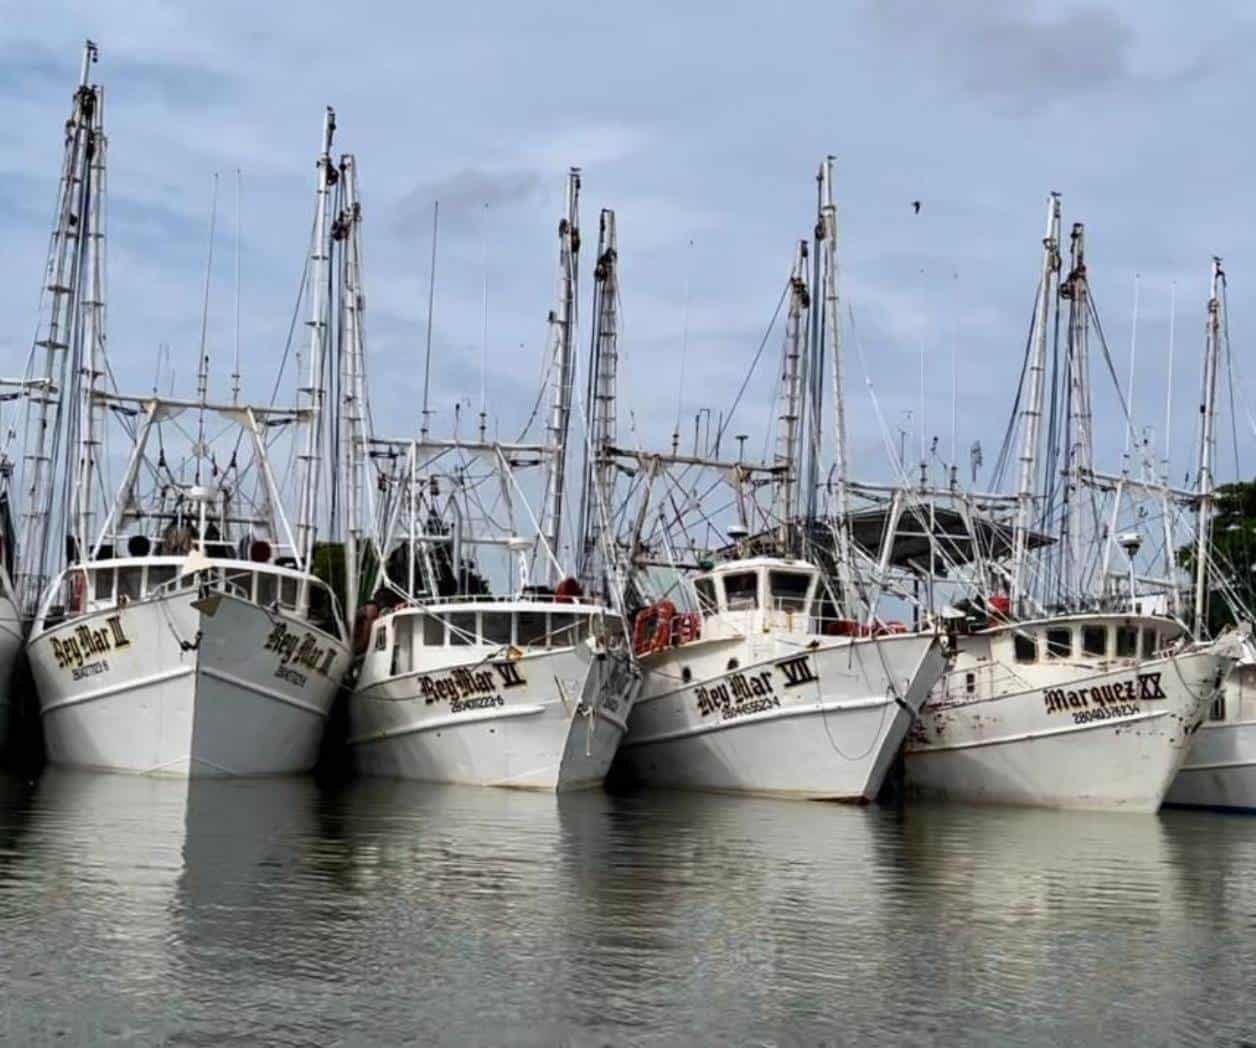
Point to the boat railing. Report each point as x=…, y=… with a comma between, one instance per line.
x=99, y=586
x=543, y=599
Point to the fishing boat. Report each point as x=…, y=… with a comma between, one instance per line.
x=1094, y=705
x=764, y=672
x=755, y=694
x=182, y=632
x=529, y=686
x=1220, y=771
x=1071, y=711
x=12, y=625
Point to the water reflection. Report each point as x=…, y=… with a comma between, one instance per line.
x=388, y=911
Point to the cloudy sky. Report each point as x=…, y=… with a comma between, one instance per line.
x=703, y=129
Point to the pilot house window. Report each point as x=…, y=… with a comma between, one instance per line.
x=496, y=627
x=129, y=582
x=562, y=630
x=462, y=628
x=1059, y=643
x=159, y=575
x=789, y=590
x=104, y=583
x=741, y=590
x=1026, y=647
x=532, y=629
x=706, y=595
x=1095, y=640
x=1126, y=642
x=433, y=631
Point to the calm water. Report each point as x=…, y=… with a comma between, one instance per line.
x=142, y=911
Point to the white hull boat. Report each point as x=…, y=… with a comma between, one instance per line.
x=10, y=649
x=192, y=678
x=1084, y=711
x=1220, y=771
x=491, y=693
x=754, y=697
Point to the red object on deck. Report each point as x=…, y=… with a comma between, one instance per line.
x=1000, y=605
x=841, y=628
x=568, y=591
x=653, y=628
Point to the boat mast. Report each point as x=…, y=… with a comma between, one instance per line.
x=830, y=328
x=48, y=364
x=1076, y=288
x=92, y=331
x=310, y=459
x=352, y=437
x=1207, y=410
x=815, y=364
x=789, y=429
x=602, y=390
x=1031, y=412
x=562, y=321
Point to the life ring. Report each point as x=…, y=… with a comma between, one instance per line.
x=653, y=629
x=78, y=592
x=687, y=628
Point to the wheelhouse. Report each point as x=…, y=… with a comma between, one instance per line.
x=1092, y=639
x=484, y=628
x=784, y=593
x=106, y=584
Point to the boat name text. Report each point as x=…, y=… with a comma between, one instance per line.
x=468, y=689
x=1143, y=686
x=738, y=695
x=74, y=648
x=300, y=649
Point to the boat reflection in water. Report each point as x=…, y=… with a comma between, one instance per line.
x=392, y=911
x=149, y=892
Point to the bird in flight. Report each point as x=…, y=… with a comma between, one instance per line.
x=915, y=205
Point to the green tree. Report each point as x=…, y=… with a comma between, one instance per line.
x=1233, y=553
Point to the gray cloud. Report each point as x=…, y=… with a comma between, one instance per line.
x=462, y=196
x=1013, y=53
x=30, y=68
x=707, y=133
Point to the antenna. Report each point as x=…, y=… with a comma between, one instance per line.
x=1168, y=394
x=484, y=338
x=1129, y=428
x=202, y=372
x=684, y=345
x=954, y=387
x=235, y=373
x=431, y=302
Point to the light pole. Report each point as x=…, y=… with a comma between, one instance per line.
x=1131, y=542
